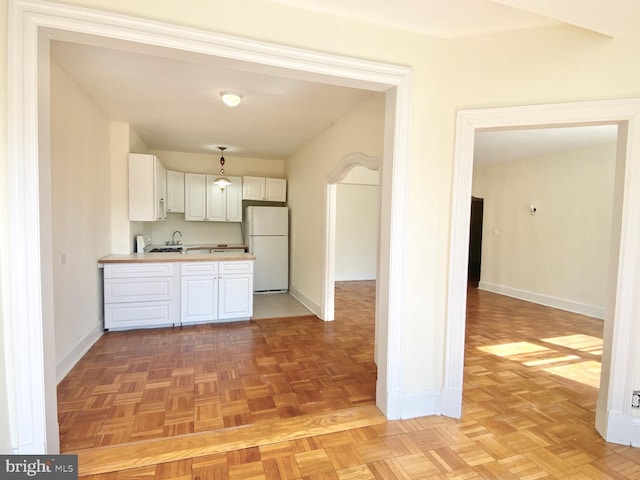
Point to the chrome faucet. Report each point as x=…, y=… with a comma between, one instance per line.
x=173, y=238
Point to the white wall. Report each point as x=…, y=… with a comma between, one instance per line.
x=359, y=131
x=560, y=255
x=356, y=231
x=201, y=163
x=120, y=161
x=81, y=213
x=194, y=233
x=121, y=236
x=5, y=440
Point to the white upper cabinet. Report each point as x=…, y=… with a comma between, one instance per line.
x=175, y=192
x=195, y=198
x=204, y=201
x=275, y=189
x=264, y=189
x=234, y=200
x=253, y=188
x=147, y=188
x=216, y=201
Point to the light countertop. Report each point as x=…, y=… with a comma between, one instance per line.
x=176, y=257
x=216, y=246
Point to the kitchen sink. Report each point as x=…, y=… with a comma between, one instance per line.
x=176, y=249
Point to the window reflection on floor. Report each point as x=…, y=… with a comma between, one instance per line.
x=572, y=367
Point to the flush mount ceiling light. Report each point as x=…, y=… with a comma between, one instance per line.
x=222, y=181
x=230, y=98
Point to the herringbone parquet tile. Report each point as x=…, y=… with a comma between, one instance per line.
x=528, y=412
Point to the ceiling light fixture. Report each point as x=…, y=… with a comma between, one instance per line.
x=230, y=98
x=222, y=181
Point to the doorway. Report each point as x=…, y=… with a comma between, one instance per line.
x=541, y=194
x=475, y=241
x=614, y=418
x=29, y=270
x=338, y=174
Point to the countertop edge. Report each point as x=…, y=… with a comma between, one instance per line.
x=175, y=257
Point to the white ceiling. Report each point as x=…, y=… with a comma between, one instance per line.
x=456, y=18
x=505, y=145
x=173, y=103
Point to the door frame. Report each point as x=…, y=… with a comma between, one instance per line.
x=614, y=418
x=27, y=287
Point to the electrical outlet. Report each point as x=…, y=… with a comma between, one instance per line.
x=63, y=258
x=635, y=399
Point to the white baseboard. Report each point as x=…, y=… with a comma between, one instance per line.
x=413, y=404
x=549, y=301
x=621, y=429
x=310, y=305
x=355, y=277
x=67, y=362
x=451, y=402
x=635, y=434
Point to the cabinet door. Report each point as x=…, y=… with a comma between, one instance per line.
x=235, y=296
x=216, y=201
x=175, y=192
x=199, y=299
x=234, y=200
x=276, y=189
x=122, y=290
x=138, y=315
x=253, y=188
x=195, y=196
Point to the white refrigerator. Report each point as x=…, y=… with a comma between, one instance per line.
x=267, y=236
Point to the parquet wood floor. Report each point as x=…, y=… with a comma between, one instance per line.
x=149, y=384
x=528, y=413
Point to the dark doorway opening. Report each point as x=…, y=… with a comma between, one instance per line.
x=475, y=241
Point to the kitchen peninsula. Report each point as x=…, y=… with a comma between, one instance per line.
x=146, y=290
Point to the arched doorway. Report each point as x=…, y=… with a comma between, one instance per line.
x=341, y=170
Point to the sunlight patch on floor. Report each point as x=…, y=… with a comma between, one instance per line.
x=533, y=355
x=584, y=343
x=512, y=349
x=547, y=361
x=587, y=372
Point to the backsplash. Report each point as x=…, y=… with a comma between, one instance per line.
x=194, y=233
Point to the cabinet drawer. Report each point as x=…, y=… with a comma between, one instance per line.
x=138, y=315
x=121, y=290
x=129, y=270
x=236, y=267
x=199, y=268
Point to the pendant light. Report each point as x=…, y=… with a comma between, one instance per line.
x=222, y=181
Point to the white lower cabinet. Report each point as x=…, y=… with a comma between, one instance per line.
x=235, y=290
x=216, y=291
x=140, y=295
x=199, y=292
x=145, y=295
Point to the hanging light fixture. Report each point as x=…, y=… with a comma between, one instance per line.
x=222, y=181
